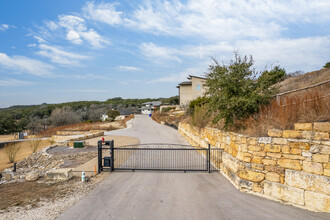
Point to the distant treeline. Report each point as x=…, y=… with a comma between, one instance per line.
x=37, y=117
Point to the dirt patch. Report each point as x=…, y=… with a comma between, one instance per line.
x=24, y=151
x=31, y=193
x=42, y=200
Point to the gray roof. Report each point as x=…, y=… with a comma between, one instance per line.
x=191, y=76
x=185, y=83
x=153, y=103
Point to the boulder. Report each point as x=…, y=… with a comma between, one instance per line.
x=59, y=174
x=32, y=176
x=8, y=176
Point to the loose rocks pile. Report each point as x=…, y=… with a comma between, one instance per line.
x=37, y=164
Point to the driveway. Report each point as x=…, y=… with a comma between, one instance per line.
x=174, y=195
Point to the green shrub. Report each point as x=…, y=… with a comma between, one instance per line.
x=200, y=101
x=234, y=90
x=327, y=65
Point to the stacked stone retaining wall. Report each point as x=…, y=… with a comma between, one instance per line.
x=291, y=166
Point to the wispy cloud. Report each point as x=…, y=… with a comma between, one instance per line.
x=25, y=65
x=13, y=82
x=129, y=68
x=182, y=76
x=86, y=90
x=226, y=20
x=4, y=27
x=103, y=12
x=157, y=53
x=60, y=56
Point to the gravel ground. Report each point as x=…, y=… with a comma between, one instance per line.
x=52, y=207
x=64, y=150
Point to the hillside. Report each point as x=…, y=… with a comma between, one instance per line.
x=37, y=117
x=305, y=80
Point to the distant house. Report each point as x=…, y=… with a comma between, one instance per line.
x=192, y=89
x=149, y=107
x=123, y=114
x=104, y=117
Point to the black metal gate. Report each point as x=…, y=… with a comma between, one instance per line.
x=157, y=157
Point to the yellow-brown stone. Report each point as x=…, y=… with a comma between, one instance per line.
x=257, y=166
x=259, y=154
x=322, y=126
x=317, y=201
x=299, y=145
x=274, y=148
x=250, y=175
x=252, y=141
x=303, y=126
x=321, y=136
x=247, y=159
x=274, y=155
x=281, y=141
x=275, y=169
x=295, y=151
x=234, y=148
x=284, y=192
x=294, y=157
x=254, y=148
x=291, y=134
x=326, y=172
x=274, y=133
x=257, y=188
x=269, y=162
x=321, y=158
x=326, y=166
x=290, y=164
x=312, y=167
x=282, y=178
x=273, y=177
x=307, y=134
x=256, y=159
x=286, y=149
x=307, y=181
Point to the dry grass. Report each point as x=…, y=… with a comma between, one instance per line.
x=34, y=144
x=12, y=150
x=25, y=151
x=311, y=106
x=10, y=137
x=168, y=117
x=305, y=80
x=200, y=118
x=75, y=127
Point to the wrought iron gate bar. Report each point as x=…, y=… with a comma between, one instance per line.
x=158, y=157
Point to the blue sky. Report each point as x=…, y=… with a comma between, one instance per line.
x=60, y=51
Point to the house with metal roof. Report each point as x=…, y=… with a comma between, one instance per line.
x=149, y=107
x=192, y=89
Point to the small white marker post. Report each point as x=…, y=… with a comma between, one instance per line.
x=83, y=178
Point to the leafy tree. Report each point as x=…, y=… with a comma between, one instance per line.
x=113, y=114
x=327, y=65
x=235, y=92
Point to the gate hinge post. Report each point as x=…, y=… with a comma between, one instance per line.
x=209, y=158
x=112, y=156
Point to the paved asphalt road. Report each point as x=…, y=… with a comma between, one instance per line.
x=174, y=195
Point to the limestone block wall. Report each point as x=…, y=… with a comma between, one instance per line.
x=291, y=166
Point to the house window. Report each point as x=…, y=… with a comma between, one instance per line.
x=198, y=87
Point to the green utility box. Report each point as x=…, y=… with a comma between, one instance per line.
x=78, y=144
